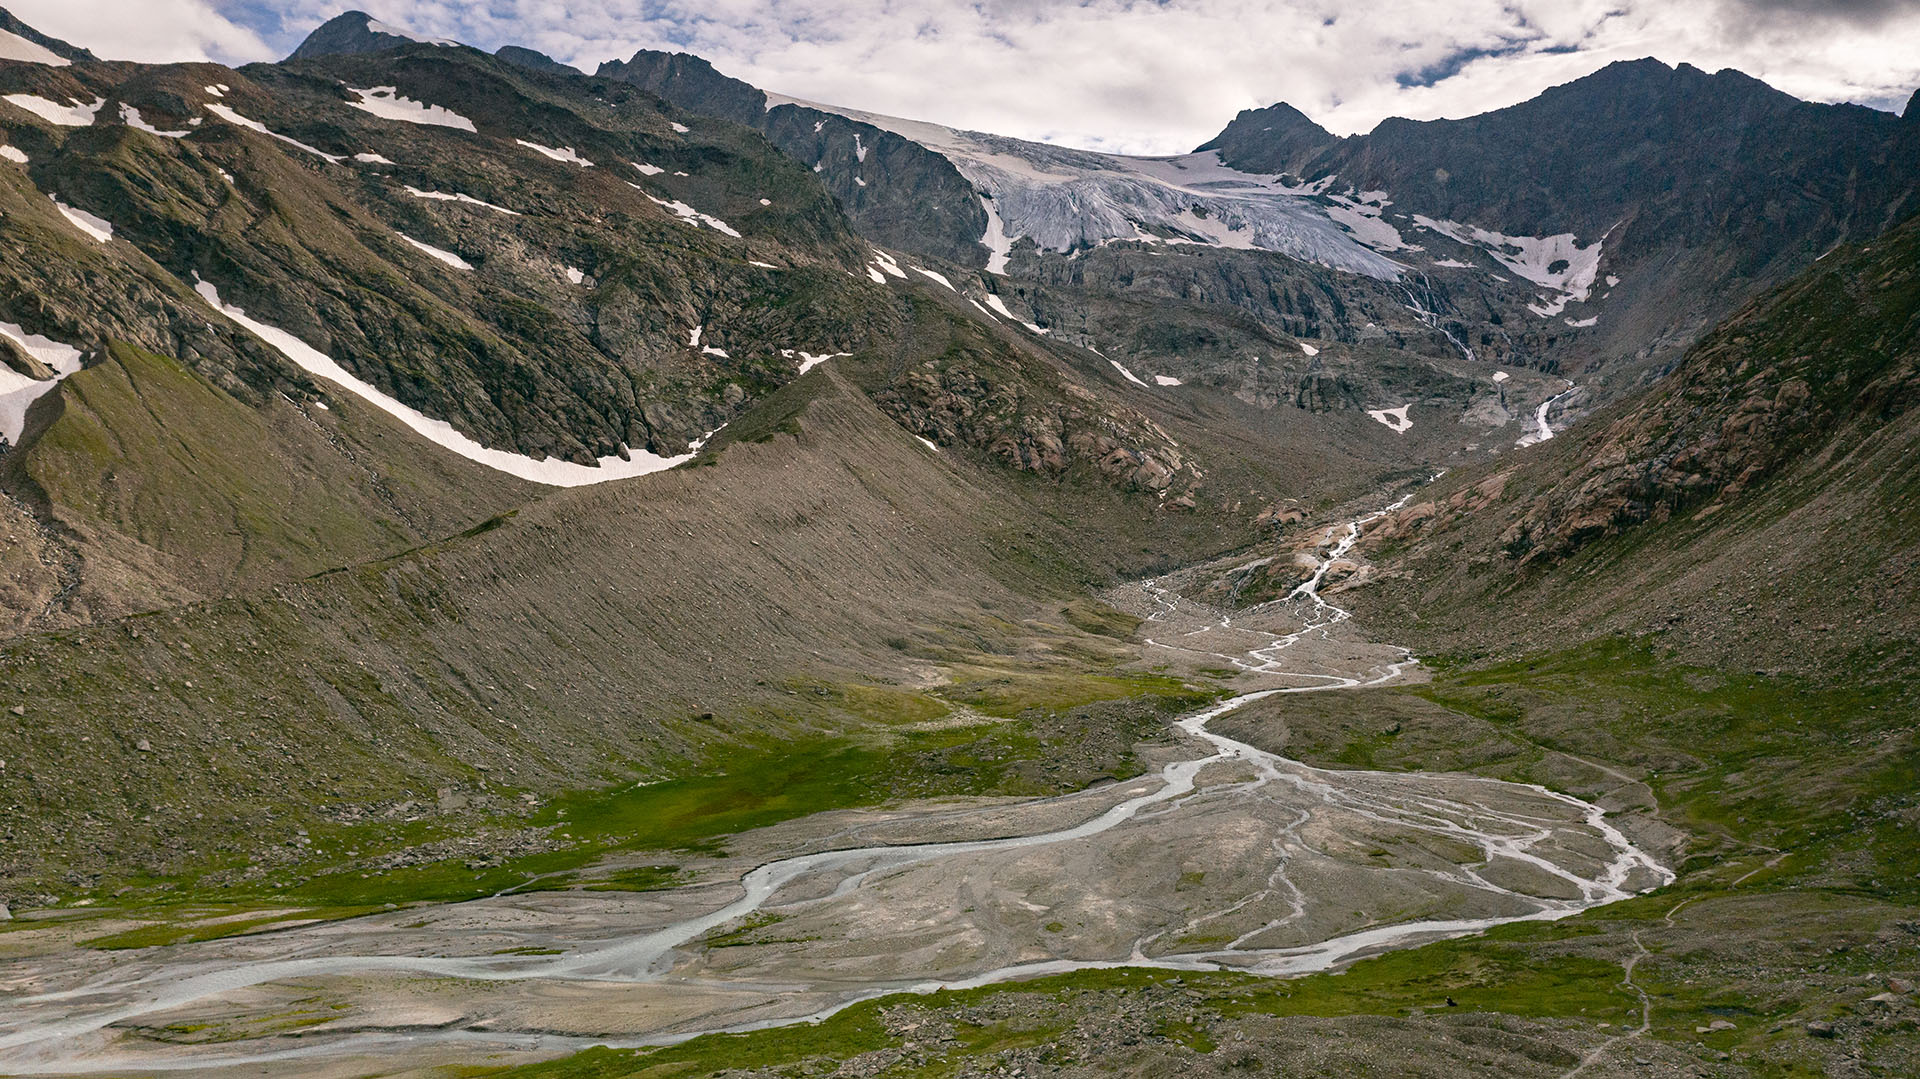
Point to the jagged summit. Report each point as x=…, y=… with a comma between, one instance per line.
x=683, y=77
x=358, y=32
x=1278, y=138
x=21, y=42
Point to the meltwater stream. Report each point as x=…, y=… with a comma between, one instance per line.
x=66, y=1032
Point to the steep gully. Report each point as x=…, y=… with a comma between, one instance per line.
x=66, y=1031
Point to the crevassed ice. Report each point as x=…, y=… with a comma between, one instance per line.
x=1064, y=199
x=551, y=471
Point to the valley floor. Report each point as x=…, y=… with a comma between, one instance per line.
x=1228, y=859
x=1478, y=918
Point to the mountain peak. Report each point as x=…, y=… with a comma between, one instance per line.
x=358, y=32
x=1278, y=138
x=33, y=45
x=679, y=76
x=534, y=60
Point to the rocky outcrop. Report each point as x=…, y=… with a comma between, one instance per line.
x=1032, y=418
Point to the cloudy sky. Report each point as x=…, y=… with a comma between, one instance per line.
x=1124, y=75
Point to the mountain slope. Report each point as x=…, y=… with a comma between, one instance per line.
x=1593, y=232
x=898, y=192
x=1699, y=190
x=1756, y=506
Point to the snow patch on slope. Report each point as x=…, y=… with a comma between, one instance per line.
x=564, y=153
x=1394, y=418
x=55, y=113
x=551, y=471
x=1363, y=217
x=232, y=117
x=98, y=228
x=14, y=154
x=690, y=215
x=1000, y=306
x=447, y=257
x=18, y=392
x=1541, y=430
x=132, y=118
x=375, y=26
x=454, y=196
x=386, y=103
x=1557, y=263
x=1130, y=376
x=998, y=244
x=15, y=47
x=809, y=360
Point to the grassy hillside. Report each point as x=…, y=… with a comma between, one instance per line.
x=146, y=486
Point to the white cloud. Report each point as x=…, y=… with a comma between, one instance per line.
x=145, y=30
x=1139, y=75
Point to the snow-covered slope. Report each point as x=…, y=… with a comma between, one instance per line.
x=1064, y=199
